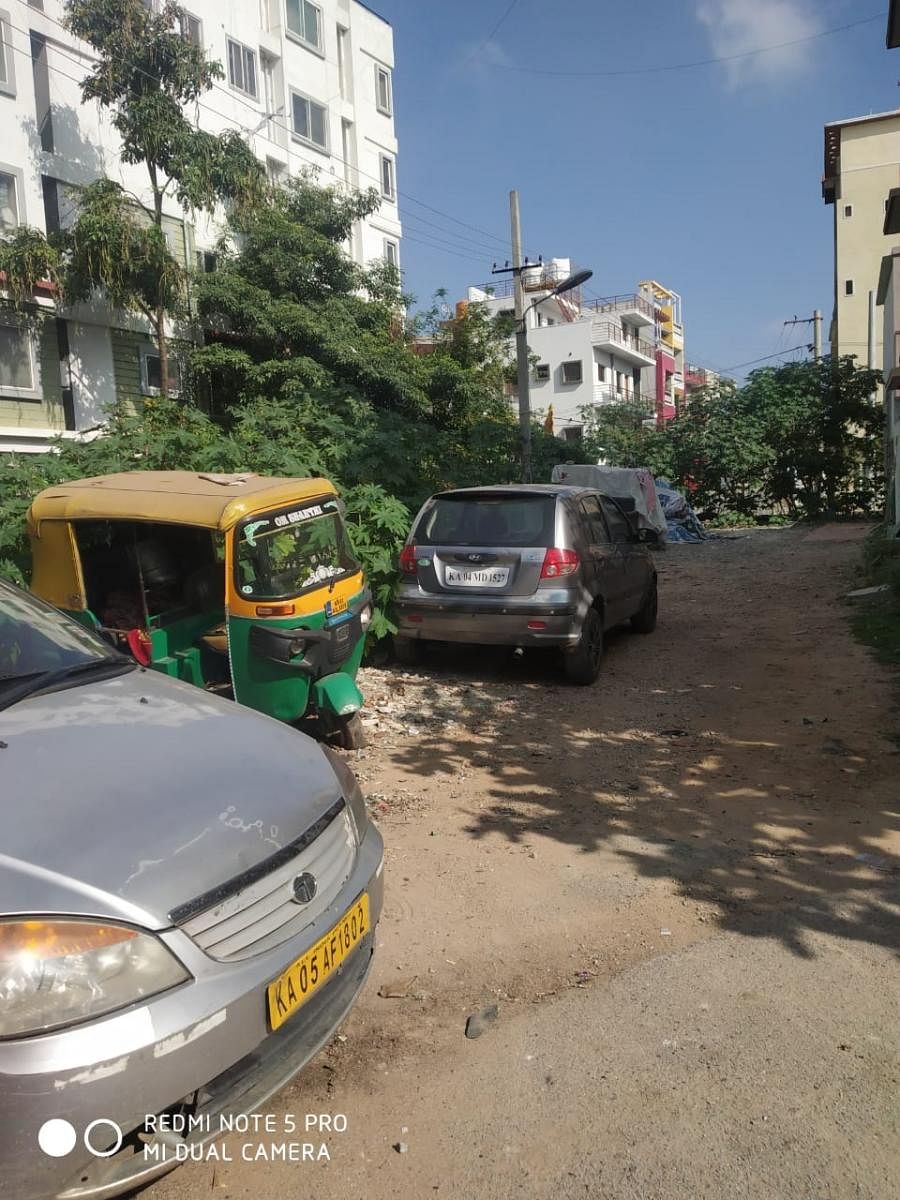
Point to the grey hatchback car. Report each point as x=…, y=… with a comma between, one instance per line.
x=525, y=565
x=188, y=900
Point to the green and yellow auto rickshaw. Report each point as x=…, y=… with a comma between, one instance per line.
x=240, y=584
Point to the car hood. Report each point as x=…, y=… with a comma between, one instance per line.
x=127, y=797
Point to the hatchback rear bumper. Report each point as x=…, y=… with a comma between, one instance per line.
x=488, y=622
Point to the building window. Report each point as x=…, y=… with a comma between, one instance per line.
x=9, y=203
x=241, y=67
x=571, y=371
x=43, y=109
x=848, y=287
x=151, y=375
x=18, y=363
x=207, y=261
x=383, y=90
x=304, y=21
x=572, y=433
x=619, y=381
x=542, y=371
x=388, y=183
x=7, y=64
x=848, y=210
x=191, y=28
x=601, y=373
x=392, y=253
x=310, y=120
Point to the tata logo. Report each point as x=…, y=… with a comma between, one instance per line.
x=304, y=888
x=475, y=557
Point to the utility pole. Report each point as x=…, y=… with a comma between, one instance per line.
x=816, y=321
x=519, y=266
x=521, y=339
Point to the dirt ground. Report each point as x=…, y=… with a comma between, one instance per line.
x=678, y=887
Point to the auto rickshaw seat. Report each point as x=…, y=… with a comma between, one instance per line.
x=215, y=638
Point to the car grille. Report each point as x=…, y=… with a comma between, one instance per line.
x=263, y=914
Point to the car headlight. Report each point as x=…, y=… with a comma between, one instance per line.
x=365, y=617
x=350, y=790
x=60, y=972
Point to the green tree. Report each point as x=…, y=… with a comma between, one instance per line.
x=718, y=448
x=824, y=429
x=624, y=435
x=803, y=436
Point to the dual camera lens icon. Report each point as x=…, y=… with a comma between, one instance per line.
x=57, y=1138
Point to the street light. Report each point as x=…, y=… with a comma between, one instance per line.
x=570, y=282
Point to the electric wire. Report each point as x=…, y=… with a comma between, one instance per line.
x=701, y=62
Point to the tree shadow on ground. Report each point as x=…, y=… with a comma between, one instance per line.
x=774, y=820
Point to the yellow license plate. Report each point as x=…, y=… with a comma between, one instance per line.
x=305, y=976
x=335, y=606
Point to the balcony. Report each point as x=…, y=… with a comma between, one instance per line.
x=612, y=338
x=535, y=278
x=633, y=308
x=643, y=405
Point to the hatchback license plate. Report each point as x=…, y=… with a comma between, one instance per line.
x=285, y=994
x=483, y=577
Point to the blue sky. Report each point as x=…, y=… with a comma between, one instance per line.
x=707, y=179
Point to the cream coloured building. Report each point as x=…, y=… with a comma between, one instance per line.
x=310, y=85
x=862, y=164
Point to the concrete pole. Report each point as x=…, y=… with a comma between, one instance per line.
x=817, y=334
x=521, y=340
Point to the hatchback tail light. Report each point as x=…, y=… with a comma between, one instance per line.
x=559, y=562
x=408, y=559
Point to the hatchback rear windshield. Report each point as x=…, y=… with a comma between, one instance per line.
x=488, y=520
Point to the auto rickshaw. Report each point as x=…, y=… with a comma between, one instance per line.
x=240, y=584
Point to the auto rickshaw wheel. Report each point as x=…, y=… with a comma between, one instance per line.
x=348, y=733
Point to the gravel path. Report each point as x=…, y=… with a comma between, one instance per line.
x=679, y=889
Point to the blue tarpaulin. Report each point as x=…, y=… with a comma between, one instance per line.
x=682, y=524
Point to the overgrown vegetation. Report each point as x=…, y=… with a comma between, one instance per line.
x=800, y=440
x=876, y=619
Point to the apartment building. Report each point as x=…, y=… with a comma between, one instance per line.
x=669, y=384
x=309, y=84
x=590, y=352
x=862, y=164
x=697, y=377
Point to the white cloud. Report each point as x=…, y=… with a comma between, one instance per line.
x=737, y=26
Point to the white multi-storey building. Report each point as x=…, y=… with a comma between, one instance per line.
x=310, y=84
x=588, y=352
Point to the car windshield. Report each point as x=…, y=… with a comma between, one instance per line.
x=286, y=553
x=36, y=639
x=488, y=520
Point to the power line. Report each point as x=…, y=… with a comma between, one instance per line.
x=765, y=358
x=506, y=13
x=462, y=239
x=702, y=62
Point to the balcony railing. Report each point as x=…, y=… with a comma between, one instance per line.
x=642, y=403
x=609, y=331
x=535, y=278
x=632, y=301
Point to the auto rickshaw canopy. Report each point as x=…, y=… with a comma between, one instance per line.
x=210, y=501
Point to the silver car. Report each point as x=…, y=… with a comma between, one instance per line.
x=525, y=565
x=188, y=898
